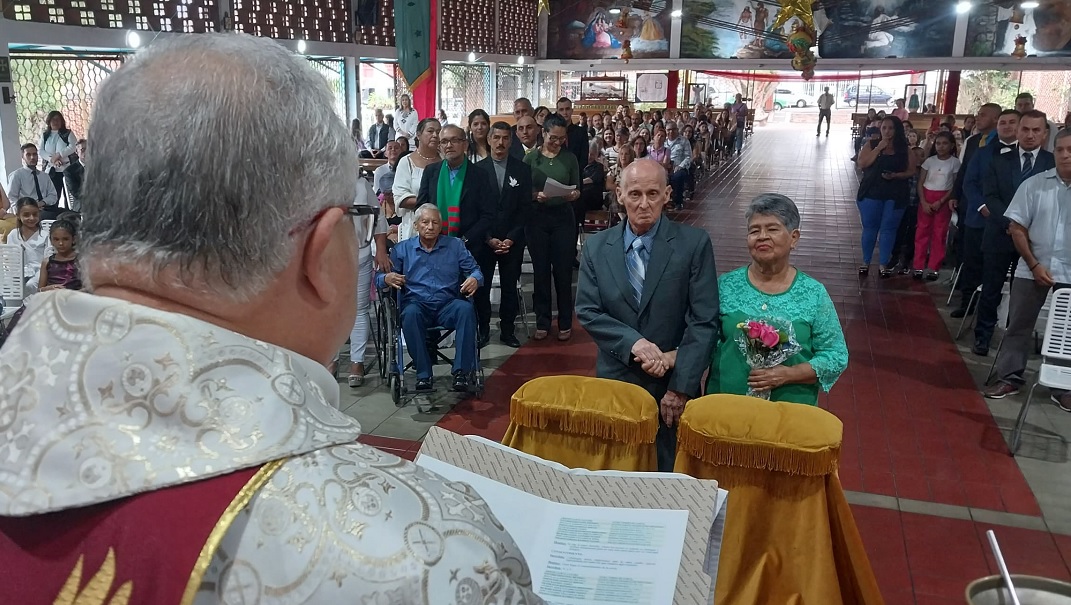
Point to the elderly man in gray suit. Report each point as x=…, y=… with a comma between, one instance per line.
x=648, y=295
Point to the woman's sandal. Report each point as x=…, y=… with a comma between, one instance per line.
x=540, y=335
x=886, y=272
x=356, y=379
x=565, y=335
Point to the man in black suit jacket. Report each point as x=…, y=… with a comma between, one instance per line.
x=477, y=207
x=1006, y=172
x=512, y=185
x=985, y=121
x=661, y=339
x=576, y=135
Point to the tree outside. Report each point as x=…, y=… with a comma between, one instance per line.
x=980, y=87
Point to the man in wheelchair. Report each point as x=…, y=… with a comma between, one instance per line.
x=427, y=271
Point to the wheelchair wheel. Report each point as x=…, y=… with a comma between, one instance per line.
x=382, y=336
x=396, y=389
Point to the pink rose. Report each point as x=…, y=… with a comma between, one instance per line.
x=754, y=330
x=770, y=337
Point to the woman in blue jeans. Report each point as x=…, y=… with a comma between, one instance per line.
x=887, y=166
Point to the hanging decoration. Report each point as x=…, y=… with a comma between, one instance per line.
x=785, y=77
x=544, y=5
x=626, y=50
x=803, y=34
x=1020, y=47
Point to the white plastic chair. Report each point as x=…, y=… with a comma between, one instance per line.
x=1055, y=347
x=11, y=278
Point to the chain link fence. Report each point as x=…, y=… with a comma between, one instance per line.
x=548, y=88
x=464, y=88
x=334, y=71
x=514, y=82
x=65, y=82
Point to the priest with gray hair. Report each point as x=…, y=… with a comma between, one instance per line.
x=174, y=430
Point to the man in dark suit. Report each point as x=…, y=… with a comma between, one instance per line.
x=471, y=214
x=525, y=137
x=648, y=295
x=512, y=184
x=1006, y=172
x=576, y=135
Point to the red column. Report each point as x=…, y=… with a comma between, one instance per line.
x=674, y=82
x=951, y=92
x=425, y=99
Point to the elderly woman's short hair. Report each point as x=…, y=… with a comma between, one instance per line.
x=775, y=204
x=188, y=191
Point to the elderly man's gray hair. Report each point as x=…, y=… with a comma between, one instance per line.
x=209, y=152
x=775, y=204
x=428, y=208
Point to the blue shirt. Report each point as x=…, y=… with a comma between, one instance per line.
x=646, y=238
x=432, y=277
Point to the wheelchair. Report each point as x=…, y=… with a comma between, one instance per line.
x=388, y=334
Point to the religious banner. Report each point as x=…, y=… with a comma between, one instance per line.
x=744, y=29
x=1005, y=28
x=414, y=39
x=605, y=29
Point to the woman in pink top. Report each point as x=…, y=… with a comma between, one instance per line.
x=900, y=112
x=658, y=150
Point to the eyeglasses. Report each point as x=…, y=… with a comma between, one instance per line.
x=363, y=216
x=451, y=141
x=557, y=139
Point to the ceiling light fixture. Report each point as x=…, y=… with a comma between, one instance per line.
x=472, y=57
x=520, y=60
x=1030, y=4
x=133, y=39
x=615, y=11
x=964, y=7
x=301, y=46
x=676, y=14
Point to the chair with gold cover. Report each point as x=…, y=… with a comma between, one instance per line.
x=789, y=533
x=583, y=422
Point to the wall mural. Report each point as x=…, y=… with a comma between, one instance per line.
x=1044, y=31
x=847, y=29
x=604, y=29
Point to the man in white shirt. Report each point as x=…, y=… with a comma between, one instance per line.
x=526, y=139
x=406, y=121
x=680, y=157
x=825, y=111
x=1040, y=215
x=177, y=437
x=30, y=182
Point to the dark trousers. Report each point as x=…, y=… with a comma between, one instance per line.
x=904, y=250
x=679, y=180
x=970, y=277
x=57, y=182
x=551, y=237
x=827, y=115
x=509, y=267
x=998, y=256
x=1027, y=298
x=457, y=315
x=665, y=445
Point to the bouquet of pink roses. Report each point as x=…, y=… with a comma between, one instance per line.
x=766, y=343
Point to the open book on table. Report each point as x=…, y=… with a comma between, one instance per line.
x=605, y=537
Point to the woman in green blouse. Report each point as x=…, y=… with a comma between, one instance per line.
x=770, y=287
x=551, y=230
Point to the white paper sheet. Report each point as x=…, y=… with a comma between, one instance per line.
x=555, y=188
x=585, y=554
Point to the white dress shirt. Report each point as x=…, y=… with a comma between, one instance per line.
x=20, y=185
x=406, y=184
x=53, y=145
x=1042, y=205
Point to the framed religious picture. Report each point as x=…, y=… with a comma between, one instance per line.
x=603, y=89
x=652, y=88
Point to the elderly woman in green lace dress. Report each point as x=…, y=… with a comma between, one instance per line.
x=771, y=288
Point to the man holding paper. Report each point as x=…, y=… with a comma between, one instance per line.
x=551, y=231
x=648, y=295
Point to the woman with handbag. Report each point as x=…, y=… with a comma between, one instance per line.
x=58, y=150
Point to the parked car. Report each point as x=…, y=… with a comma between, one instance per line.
x=867, y=95
x=784, y=97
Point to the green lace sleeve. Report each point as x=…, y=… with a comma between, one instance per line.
x=830, y=350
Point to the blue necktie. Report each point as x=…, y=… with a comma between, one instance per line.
x=637, y=268
x=1028, y=163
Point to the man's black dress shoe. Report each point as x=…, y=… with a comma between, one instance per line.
x=423, y=384
x=980, y=348
x=510, y=340
x=461, y=381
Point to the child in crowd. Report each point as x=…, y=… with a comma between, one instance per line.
x=905, y=235
x=33, y=239
x=60, y=270
x=935, y=182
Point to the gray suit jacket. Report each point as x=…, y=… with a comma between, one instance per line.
x=678, y=310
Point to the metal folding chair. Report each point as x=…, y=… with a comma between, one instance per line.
x=1055, y=347
x=12, y=279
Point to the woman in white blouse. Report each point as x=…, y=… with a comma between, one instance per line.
x=56, y=147
x=410, y=170
x=371, y=230
x=407, y=120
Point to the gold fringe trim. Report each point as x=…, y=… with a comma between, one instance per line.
x=244, y=497
x=595, y=423
x=782, y=459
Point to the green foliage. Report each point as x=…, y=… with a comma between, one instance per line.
x=980, y=87
x=698, y=42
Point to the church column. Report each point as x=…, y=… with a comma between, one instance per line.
x=951, y=92
x=674, y=82
x=11, y=158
